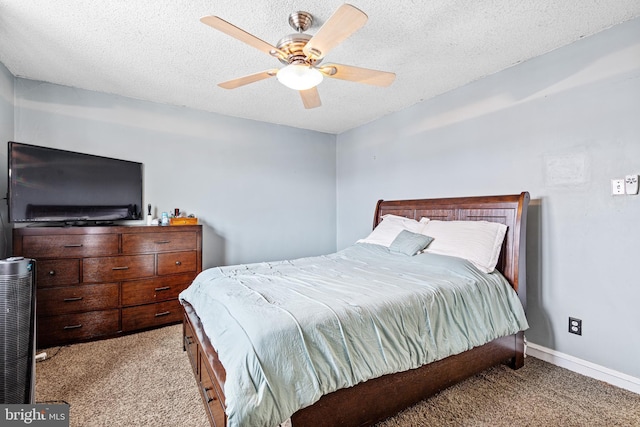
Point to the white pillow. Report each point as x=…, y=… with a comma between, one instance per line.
x=389, y=228
x=477, y=241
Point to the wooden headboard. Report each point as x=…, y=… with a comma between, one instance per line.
x=510, y=210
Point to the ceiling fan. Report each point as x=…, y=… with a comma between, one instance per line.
x=302, y=53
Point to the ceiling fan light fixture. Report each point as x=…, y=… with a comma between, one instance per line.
x=299, y=76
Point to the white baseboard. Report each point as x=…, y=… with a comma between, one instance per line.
x=583, y=367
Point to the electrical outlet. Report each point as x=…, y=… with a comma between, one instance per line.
x=617, y=187
x=575, y=326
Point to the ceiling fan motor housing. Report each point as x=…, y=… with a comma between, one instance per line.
x=292, y=46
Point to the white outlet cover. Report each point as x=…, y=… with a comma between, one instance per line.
x=617, y=187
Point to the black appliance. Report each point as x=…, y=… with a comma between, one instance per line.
x=17, y=331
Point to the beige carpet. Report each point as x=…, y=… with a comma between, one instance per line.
x=135, y=380
x=146, y=380
x=539, y=394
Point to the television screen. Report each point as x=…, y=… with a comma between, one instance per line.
x=47, y=184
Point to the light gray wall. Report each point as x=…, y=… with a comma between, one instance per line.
x=561, y=127
x=6, y=134
x=262, y=191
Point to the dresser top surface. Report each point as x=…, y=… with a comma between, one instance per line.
x=103, y=229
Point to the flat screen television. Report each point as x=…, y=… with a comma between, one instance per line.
x=53, y=185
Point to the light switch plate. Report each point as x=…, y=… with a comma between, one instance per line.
x=631, y=184
x=617, y=186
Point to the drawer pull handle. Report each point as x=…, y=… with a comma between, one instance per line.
x=120, y=268
x=163, y=242
x=187, y=340
x=52, y=273
x=205, y=391
x=72, y=299
x=178, y=263
x=76, y=245
x=73, y=326
x=164, y=288
x=164, y=313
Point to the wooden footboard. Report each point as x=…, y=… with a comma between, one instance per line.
x=379, y=398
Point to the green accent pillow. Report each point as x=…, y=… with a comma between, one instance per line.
x=409, y=243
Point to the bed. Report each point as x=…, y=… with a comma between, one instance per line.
x=362, y=402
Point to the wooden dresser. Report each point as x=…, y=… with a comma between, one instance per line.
x=99, y=282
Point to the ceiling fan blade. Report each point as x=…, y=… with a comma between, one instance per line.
x=252, y=78
x=310, y=98
x=237, y=33
x=345, y=21
x=357, y=74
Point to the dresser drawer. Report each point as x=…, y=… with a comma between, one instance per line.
x=56, y=330
x=69, y=245
x=59, y=272
x=158, y=242
x=146, y=316
x=113, y=269
x=153, y=290
x=77, y=299
x=176, y=262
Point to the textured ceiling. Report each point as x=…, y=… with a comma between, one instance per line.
x=158, y=50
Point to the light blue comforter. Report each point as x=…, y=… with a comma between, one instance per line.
x=288, y=332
